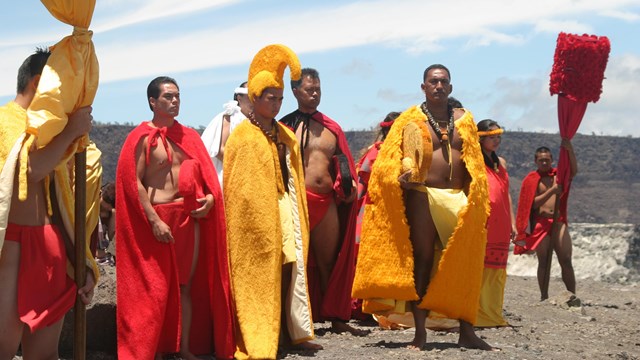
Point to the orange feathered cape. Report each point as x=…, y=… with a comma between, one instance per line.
x=252, y=184
x=148, y=313
x=385, y=260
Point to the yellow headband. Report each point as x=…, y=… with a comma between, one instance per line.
x=267, y=69
x=492, y=132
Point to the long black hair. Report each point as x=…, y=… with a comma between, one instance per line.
x=491, y=160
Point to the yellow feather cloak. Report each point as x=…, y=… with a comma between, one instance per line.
x=252, y=184
x=385, y=260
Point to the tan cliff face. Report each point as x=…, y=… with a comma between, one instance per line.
x=606, y=189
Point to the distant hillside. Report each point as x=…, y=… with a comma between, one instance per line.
x=606, y=189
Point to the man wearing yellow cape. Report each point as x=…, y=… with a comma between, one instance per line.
x=423, y=236
x=36, y=288
x=267, y=220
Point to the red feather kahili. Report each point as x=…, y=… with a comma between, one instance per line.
x=578, y=66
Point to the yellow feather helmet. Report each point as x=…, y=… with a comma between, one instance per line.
x=267, y=69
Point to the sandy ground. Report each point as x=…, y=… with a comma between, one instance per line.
x=606, y=326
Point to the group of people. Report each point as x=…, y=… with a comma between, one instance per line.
x=235, y=242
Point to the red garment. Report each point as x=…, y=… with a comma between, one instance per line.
x=336, y=302
x=148, y=313
x=183, y=232
x=45, y=291
x=499, y=221
x=364, y=166
x=542, y=228
x=318, y=204
x=525, y=216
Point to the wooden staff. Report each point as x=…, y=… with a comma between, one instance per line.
x=80, y=325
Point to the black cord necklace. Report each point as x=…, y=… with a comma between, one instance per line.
x=271, y=134
x=442, y=137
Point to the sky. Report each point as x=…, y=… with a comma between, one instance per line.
x=370, y=55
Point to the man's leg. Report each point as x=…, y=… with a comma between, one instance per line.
x=10, y=324
x=325, y=241
x=42, y=344
x=185, y=299
x=563, y=248
x=423, y=234
x=542, y=252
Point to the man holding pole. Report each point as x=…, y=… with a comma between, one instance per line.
x=36, y=289
x=538, y=209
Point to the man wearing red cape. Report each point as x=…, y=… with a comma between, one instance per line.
x=536, y=216
x=576, y=77
x=331, y=190
x=172, y=269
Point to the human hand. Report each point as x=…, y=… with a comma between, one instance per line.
x=79, y=122
x=207, y=203
x=566, y=143
x=162, y=231
x=405, y=183
x=86, y=292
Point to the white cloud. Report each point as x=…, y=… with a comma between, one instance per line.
x=144, y=11
x=568, y=26
x=622, y=15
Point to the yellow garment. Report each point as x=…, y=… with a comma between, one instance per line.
x=13, y=120
x=287, y=225
x=253, y=183
x=444, y=206
x=492, y=298
x=385, y=260
x=70, y=79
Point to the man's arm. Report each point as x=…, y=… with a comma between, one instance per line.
x=541, y=199
x=160, y=229
x=42, y=161
x=573, y=162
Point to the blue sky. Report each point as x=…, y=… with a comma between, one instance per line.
x=370, y=54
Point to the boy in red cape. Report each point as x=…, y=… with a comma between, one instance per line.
x=330, y=181
x=535, y=216
x=172, y=269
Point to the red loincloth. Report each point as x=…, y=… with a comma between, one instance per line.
x=525, y=218
x=45, y=291
x=336, y=302
x=318, y=204
x=148, y=312
x=183, y=232
x=541, y=229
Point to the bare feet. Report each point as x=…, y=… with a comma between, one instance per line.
x=468, y=338
x=419, y=340
x=339, y=327
x=307, y=345
x=186, y=355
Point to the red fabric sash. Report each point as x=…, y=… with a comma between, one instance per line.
x=148, y=313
